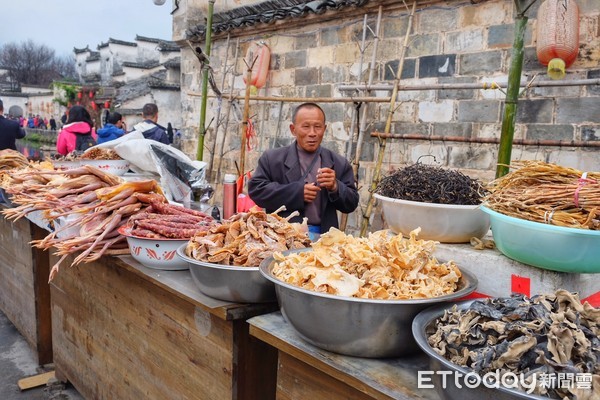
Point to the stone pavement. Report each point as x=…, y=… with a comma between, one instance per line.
x=18, y=361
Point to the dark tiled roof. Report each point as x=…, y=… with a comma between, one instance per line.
x=94, y=56
x=164, y=45
x=130, y=111
x=173, y=63
x=79, y=51
x=144, y=65
x=116, y=41
x=146, y=39
x=156, y=83
x=268, y=12
x=90, y=78
x=118, y=73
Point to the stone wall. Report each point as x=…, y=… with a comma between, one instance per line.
x=450, y=42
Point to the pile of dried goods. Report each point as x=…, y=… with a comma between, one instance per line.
x=431, y=184
x=98, y=153
x=246, y=239
x=12, y=159
x=548, y=193
x=97, y=204
x=377, y=267
x=169, y=221
x=547, y=335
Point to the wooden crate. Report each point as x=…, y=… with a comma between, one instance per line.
x=123, y=331
x=24, y=289
x=307, y=372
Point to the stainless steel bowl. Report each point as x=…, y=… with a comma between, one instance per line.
x=223, y=282
x=353, y=326
x=445, y=372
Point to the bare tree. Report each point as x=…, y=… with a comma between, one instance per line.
x=34, y=64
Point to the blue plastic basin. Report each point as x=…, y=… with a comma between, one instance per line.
x=546, y=246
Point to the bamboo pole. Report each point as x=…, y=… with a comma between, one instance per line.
x=485, y=140
x=363, y=120
x=388, y=126
x=354, y=110
x=218, y=116
x=512, y=92
x=230, y=101
x=365, y=108
x=202, y=125
x=244, y=124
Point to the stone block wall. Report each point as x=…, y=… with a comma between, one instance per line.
x=450, y=42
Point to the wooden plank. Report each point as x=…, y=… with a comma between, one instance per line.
x=41, y=289
x=180, y=284
x=297, y=380
x=24, y=291
x=119, y=335
x=394, y=378
x=35, y=381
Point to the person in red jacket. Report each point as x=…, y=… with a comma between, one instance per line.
x=78, y=134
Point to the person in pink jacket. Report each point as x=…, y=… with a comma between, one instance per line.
x=78, y=134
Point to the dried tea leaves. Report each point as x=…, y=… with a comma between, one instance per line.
x=431, y=184
x=544, y=335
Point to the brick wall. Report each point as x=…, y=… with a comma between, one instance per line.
x=450, y=42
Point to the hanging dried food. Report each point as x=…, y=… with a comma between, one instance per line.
x=546, y=335
x=431, y=184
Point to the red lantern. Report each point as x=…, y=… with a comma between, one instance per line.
x=558, y=35
x=91, y=94
x=94, y=106
x=79, y=95
x=107, y=104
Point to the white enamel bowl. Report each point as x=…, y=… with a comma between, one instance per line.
x=445, y=223
x=115, y=167
x=155, y=253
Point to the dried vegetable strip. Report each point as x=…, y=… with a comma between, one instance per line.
x=542, y=336
x=100, y=203
x=548, y=193
x=246, y=239
x=377, y=267
x=12, y=159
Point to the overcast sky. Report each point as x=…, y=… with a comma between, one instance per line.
x=64, y=24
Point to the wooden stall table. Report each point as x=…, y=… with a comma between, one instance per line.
x=307, y=372
x=124, y=331
x=24, y=289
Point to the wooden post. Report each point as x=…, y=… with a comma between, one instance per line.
x=244, y=124
x=388, y=126
x=202, y=126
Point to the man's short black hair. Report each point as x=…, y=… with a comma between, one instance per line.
x=307, y=105
x=114, y=117
x=149, y=110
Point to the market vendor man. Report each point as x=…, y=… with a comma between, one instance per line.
x=305, y=176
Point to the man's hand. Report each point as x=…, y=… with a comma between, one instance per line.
x=326, y=179
x=310, y=192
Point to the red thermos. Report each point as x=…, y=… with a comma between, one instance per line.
x=229, y=195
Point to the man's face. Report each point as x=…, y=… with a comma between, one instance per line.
x=309, y=128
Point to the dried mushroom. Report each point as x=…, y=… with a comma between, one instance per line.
x=546, y=335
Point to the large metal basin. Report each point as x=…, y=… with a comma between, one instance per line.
x=229, y=283
x=353, y=326
x=442, y=368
